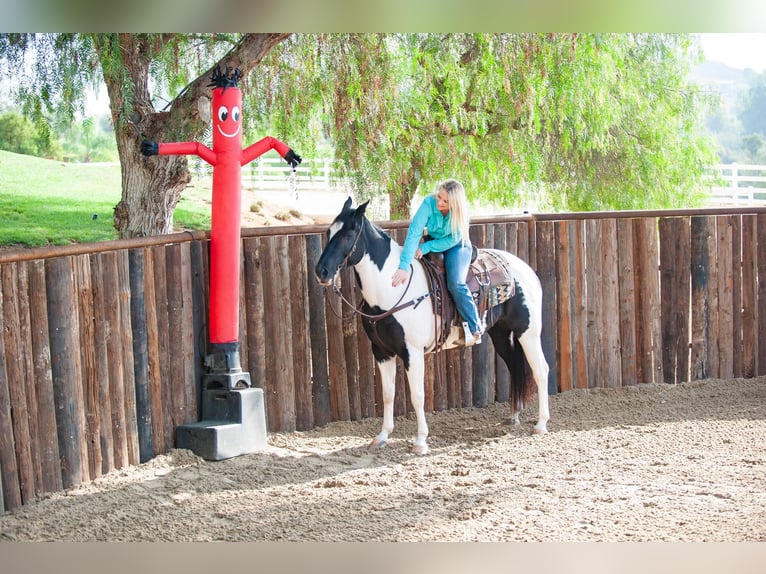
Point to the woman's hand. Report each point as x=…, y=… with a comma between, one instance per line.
x=400, y=276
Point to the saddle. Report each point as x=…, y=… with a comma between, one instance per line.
x=489, y=280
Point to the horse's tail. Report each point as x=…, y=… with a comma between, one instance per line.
x=521, y=375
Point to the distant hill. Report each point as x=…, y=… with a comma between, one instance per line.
x=727, y=81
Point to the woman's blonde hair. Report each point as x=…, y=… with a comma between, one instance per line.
x=458, y=206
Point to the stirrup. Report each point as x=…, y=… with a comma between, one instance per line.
x=468, y=337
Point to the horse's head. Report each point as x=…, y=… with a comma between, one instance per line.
x=342, y=242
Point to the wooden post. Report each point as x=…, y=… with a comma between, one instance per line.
x=749, y=300
x=546, y=271
x=114, y=351
x=594, y=305
x=65, y=366
x=626, y=280
x=299, y=316
x=15, y=373
x=563, y=313
x=317, y=320
x=725, y=298
x=761, y=294
x=9, y=469
x=577, y=303
x=129, y=388
x=140, y=354
x=46, y=408
x=736, y=294
x=90, y=381
x=611, y=344
x=154, y=377
x=348, y=327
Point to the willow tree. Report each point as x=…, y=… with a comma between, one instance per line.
x=574, y=121
x=64, y=65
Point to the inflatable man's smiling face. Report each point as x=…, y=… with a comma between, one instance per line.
x=227, y=111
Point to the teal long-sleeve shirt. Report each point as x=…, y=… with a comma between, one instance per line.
x=439, y=228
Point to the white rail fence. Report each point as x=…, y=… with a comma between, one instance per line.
x=736, y=184
x=740, y=185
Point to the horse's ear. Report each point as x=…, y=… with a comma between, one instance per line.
x=361, y=209
x=347, y=204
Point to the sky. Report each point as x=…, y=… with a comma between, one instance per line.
x=737, y=50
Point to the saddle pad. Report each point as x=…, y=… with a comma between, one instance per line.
x=489, y=274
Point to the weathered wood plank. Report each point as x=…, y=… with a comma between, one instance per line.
x=701, y=241
x=27, y=363
x=46, y=408
x=164, y=387
x=736, y=294
x=546, y=271
x=101, y=357
x=15, y=373
x=318, y=336
x=129, y=386
x=153, y=352
x=761, y=294
x=648, y=334
x=563, y=311
x=140, y=354
x=725, y=298
x=350, y=340
x=304, y=412
x=254, y=311
x=594, y=309
x=90, y=381
x=66, y=370
x=675, y=261
x=176, y=309
x=280, y=391
x=577, y=304
x=199, y=294
x=483, y=379
x=116, y=362
x=749, y=300
x=627, y=313
x=502, y=374
x=610, y=292
x=9, y=469
x=192, y=366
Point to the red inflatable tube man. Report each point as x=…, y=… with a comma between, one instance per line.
x=227, y=158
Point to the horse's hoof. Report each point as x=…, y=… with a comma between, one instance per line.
x=376, y=444
x=419, y=449
x=536, y=430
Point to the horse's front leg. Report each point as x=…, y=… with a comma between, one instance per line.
x=388, y=379
x=415, y=374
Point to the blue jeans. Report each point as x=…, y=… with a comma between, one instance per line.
x=457, y=260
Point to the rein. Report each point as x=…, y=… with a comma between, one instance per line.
x=356, y=310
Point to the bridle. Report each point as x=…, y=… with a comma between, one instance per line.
x=356, y=310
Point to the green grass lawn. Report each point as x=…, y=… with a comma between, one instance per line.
x=46, y=202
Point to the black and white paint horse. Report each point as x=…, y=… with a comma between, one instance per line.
x=352, y=240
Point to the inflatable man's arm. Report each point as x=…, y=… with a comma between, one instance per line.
x=178, y=148
x=262, y=146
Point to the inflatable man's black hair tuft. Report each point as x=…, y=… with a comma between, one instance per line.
x=227, y=79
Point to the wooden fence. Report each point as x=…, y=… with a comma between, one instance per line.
x=101, y=345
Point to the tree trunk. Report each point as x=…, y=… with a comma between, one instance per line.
x=401, y=197
x=152, y=186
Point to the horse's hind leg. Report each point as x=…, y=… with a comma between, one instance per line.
x=501, y=339
x=533, y=349
x=388, y=380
